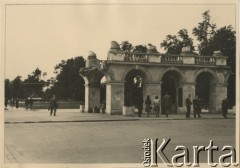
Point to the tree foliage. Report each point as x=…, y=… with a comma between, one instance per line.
x=140, y=49
x=173, y=44
x=204, y=33
x=126, y=46
x=33, y=85
x=224, y=40
x=68, y=83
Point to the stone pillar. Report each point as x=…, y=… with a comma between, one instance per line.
x=114, y=97
x=152, y=90
x=92, y=96
x=188, y=88
x=221, y=93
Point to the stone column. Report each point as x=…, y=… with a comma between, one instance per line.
x=92, y=96
x=114, y=97
x=153, y=89
x=188, y=88
x=221, y=93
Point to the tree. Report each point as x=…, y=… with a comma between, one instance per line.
x=126, y=46
x=204, y=33
x=173, y=44
x=140, y=49
x=69, y=84
x=224, y=40
x=34, y=84
x=8, y=90
x=17, y=87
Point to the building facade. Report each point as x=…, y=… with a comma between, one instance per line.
x=154, y=74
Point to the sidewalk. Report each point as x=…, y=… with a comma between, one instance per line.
x=21, y=115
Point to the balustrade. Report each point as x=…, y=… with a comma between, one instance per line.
x=205, y=60
x=164, y=58
x=135, y=57
x=172, y=59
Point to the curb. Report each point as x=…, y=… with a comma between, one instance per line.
x=112, y=120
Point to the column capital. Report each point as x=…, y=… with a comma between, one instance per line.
x=188, y=83
x=94, y=84
x=221, y=85
x=115, y=82
x=153, y=84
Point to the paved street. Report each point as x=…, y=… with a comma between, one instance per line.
x=73, y=137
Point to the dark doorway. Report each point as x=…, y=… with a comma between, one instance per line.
x=103, y=91
x=206, y=90
x=133, y=88
x=170, y=82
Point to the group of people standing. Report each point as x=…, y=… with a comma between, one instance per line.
x=166, y=105
x=196, y=106
x=13, y=102
x=166, y=102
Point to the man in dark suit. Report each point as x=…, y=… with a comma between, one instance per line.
x=188, y=104
x=196, y=107
x=225, y=107
x=53, y=105
x=166, y=103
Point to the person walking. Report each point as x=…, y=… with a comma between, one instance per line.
x=148, y=105
x=188, y=104
x=166, y=103
x=225, y=107
x=156, y=104
x=53, y=105
x=196, y=107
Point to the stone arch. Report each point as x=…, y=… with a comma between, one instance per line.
x=172, y=80
x=206, y=81
x=134, y=85
x=85, y=79
x=147, y=75
x=172, y=69
x=195, y=75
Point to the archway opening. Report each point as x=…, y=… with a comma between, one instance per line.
x=171, y=81
x=206, y=90
x=103, y=91
x=133, y=87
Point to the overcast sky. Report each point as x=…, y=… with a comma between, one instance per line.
x=43, y=35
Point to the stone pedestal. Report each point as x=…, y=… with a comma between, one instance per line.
x=154, y=58
x=128, y=111
x=118, y=56
x=92, y=97
x=188, y=59
x=114, y=97
x=81, y=108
